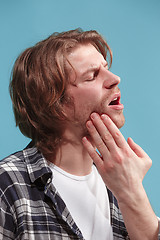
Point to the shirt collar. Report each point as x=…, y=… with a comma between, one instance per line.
x=37, y=167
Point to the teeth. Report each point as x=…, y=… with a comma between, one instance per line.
x=114, y=101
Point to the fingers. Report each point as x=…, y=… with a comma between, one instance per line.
x=147, y=162
x=114, y=131
x=93, y=153
x=97, y=137
x=108, y=132
x=136, y=148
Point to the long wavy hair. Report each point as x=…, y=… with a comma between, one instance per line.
x=38, y=82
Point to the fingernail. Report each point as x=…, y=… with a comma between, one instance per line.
x=94, y=115
x=84, y=139
x=104, y=116
x=89, y=124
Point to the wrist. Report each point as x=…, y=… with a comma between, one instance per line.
x=137, y=211
x=132, y=197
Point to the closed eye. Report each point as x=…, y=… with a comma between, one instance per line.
x=95, y=74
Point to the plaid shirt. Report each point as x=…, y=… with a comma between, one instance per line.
x=30, y=206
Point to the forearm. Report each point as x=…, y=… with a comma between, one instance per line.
x=140, y=220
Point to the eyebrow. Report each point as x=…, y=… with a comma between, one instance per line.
x=93, y=68
x=90, y=70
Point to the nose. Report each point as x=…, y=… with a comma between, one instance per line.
x=111, y=80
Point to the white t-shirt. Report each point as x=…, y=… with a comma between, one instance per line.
x=87, y=200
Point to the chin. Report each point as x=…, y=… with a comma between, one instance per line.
x=119, y=122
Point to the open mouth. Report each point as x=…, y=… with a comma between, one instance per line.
x=115, y=101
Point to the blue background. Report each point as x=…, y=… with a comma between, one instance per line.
x=132, y=29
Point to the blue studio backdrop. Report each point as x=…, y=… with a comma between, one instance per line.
x=132, y=29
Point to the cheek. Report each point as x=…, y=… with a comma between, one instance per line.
x=87, y=96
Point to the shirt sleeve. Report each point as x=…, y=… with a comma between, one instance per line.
x=159, y=228
x=7, y=213
x=7, y=225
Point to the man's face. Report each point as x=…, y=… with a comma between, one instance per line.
x=92, y=88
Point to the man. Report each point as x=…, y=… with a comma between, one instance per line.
x=68, y=102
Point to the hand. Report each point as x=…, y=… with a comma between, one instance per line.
x=122, y=165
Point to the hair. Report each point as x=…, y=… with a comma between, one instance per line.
x=38, y=82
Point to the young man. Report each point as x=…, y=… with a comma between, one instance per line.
x=68, y=102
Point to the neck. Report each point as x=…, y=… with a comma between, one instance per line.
x=72, y=157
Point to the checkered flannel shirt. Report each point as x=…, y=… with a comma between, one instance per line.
x=30, y=206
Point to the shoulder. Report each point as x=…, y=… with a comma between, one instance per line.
x=22, y=168
x=18, y=161
x=14, y=168
x=12, y=171
x=11, y=163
